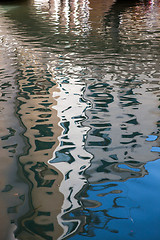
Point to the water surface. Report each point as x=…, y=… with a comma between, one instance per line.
x=79, y=102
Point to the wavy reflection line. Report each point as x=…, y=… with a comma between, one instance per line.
x=42, y=130
x=114, y=134
x=12, y=189
x=70, y=157
x=41, y=122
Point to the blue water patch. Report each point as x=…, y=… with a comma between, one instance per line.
x=151, y=138
x=133, y=213
x=155, y=149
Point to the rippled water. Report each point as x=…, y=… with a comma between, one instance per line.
x=79, y=123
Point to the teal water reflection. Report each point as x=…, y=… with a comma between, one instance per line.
x=80, y=119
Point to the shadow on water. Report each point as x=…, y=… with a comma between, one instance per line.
x=86, y=100
x=13, y=2
x=112, y=19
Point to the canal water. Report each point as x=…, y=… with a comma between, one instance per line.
x=80, y=120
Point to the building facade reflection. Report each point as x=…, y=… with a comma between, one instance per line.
x=84, y=105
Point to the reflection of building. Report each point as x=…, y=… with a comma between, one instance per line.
x=57, y=73
x=124, y=98
x=11, y=143
x=42, y=131
x=53, y=187
x=37, y=82
x=118, y=133
x=70, y=158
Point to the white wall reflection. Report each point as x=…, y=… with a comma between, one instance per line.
x=70, y=157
